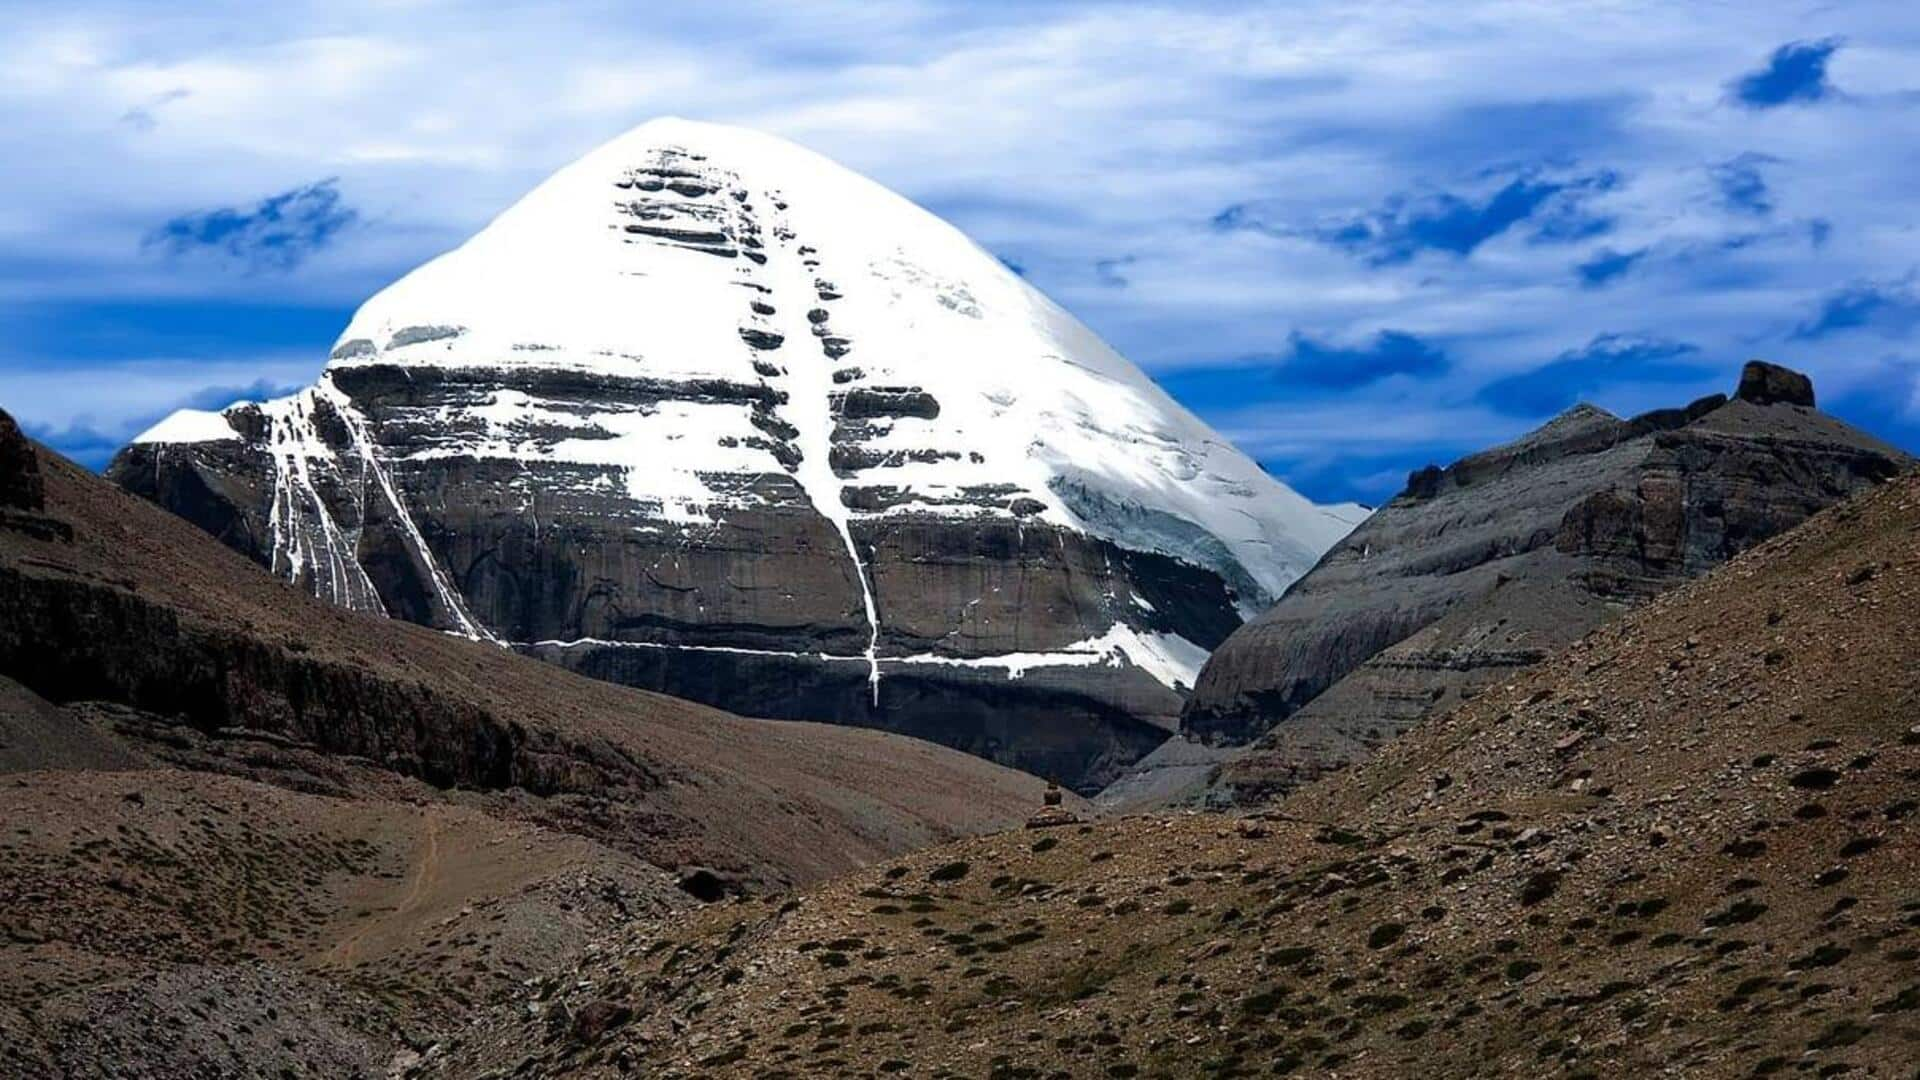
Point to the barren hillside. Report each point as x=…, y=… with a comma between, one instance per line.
x=1684, y=847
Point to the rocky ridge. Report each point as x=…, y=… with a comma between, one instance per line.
x=1495, y=563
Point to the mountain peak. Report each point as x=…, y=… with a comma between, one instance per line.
x=1580, y=412
x=1577, y=421
x=703, y=400
x=703, y=137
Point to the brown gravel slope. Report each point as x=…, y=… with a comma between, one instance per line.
x=1685, y=847
x=163, y=923
x=106, y=599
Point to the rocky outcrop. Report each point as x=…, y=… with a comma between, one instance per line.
x=20, y=485
x=1508, y=555
x=1771, y=384
x=71, y=641
x=23, y=487
x=709, y=415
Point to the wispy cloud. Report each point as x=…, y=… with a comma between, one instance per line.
x=1576, y=374
x=1108, y=271
x=1554, y=206
x=144, y=116
x=1315, y=363
x=277, y=233
x=1887, y=308
x=1796, y=73
x=1607, y=264
x=1743, y=188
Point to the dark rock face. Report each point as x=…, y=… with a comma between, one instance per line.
x=1052, y=721
x=759, y=612
x=1770, y=384
x=70, y=641
x=1508, y=555
x=20, y=485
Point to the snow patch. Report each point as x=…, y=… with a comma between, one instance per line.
x=306, y=541
x=190, y=426
x=1171, y=659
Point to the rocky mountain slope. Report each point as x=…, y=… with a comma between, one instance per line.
x=1496, y=562
x=249, y=833
x=709, y=414
x=158, y=922
x=1682, y=847
x=116, y=613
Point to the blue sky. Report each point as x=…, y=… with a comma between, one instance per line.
x=1356, y=238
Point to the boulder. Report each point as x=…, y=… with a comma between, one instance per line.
x=594, y=1019
x=1770, y=384
x=705, y=885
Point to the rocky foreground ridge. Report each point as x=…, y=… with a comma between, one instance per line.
x=1496, y=562
x=708, y=414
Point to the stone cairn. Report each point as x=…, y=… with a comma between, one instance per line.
x=1051, y=813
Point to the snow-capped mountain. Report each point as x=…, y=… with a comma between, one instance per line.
x=708, y=413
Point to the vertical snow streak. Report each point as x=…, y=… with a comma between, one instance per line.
x=810, y=401
x=456, y=607
x=873, y=612
x=291, y=439
x=841, y=522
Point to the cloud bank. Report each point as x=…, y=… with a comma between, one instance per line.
x=1354, y=239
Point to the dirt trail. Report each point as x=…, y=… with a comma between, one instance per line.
x=426, y=873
